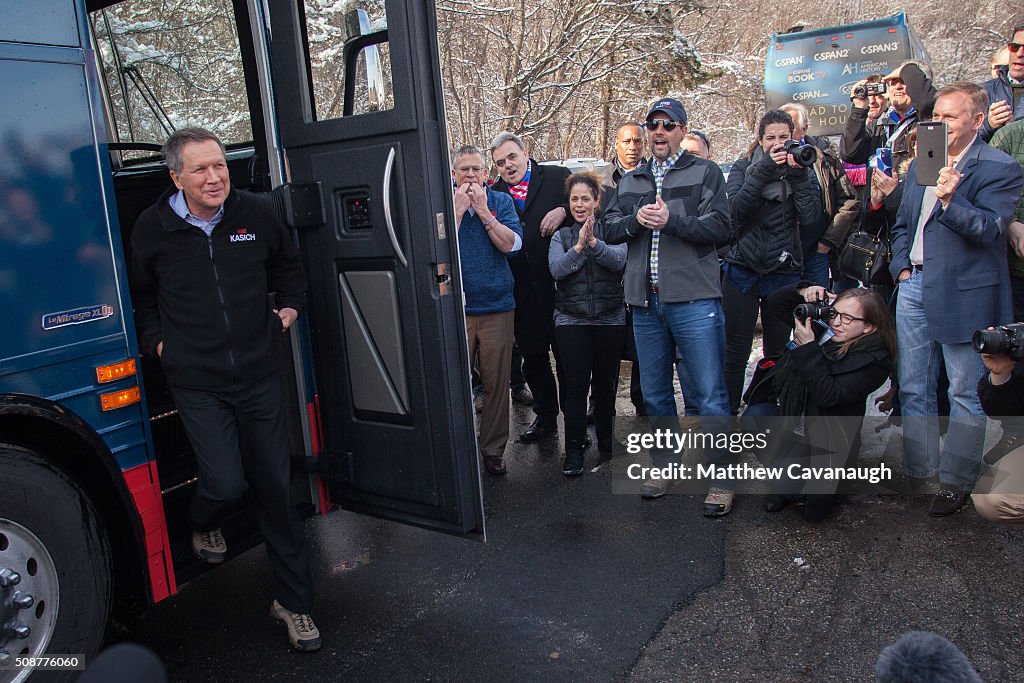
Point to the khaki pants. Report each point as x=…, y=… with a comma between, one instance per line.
x=492, y=335
x=1000, y=491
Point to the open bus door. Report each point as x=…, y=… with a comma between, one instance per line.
x=369, y=189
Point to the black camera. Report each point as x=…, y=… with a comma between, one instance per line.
x=1005, y=340
x=868, y=89
x=805, y=155
x=817, y=311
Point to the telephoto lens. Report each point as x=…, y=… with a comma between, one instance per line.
x=1006, y=340
x=805, y=155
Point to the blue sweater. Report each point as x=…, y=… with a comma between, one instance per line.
x=486, y=276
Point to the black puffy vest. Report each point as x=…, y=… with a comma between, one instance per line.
x=591, y=290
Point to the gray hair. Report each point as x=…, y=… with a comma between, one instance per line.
x=464, y=151
x=798, y=112
x=501, y=138
x=174, y=148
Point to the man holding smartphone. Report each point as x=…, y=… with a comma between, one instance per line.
x=949, y=256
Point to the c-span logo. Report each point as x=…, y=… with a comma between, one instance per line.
x=77, y=316
x=243, y=235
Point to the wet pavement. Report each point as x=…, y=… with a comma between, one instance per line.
x=577, y=583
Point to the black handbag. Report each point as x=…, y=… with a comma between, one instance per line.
x=866, y=257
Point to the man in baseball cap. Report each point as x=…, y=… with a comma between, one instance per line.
x=667, y=105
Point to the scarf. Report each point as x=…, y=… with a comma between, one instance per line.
x=519, y=190
x=789, y=385
x=858, y=174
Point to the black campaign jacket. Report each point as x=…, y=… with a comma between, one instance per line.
x=207, y=298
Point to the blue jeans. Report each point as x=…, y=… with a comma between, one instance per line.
x=697, y=330
x=816, y=268
x=920, y=357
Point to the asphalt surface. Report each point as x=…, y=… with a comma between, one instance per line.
x=578, y=583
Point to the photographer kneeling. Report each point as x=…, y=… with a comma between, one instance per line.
x=999, y=495
x=824, y=375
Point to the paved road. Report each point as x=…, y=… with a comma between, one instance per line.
x=577, y=583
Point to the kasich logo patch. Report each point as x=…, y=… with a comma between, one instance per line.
x=243, y=235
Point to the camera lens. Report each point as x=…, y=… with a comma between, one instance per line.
x=991, y=341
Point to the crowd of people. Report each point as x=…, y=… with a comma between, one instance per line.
x=667, y=263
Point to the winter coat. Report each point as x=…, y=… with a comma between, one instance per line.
x=206, y=298
x=688, y=268
x=999, y=89
x=534, y=289
x=594, y=285
x=861, y=139
x=1010, y=139
x=771, y=205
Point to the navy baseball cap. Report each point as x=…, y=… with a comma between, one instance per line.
x=667, y=105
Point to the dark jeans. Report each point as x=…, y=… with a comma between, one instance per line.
x=740, y=319
x=590, y=360
x=240, y=441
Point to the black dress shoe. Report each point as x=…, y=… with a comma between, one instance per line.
x=948, y=500
x=538, y=430
x=573, y=464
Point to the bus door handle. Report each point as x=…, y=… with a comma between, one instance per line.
x=387, y=209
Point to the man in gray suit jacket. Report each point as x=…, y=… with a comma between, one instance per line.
x=949, y=256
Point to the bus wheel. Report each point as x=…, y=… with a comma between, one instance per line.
x=54, y=563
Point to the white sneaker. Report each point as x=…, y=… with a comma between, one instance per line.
x=302, y=632
x=209, y=546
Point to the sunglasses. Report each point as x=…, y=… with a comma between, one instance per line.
x=669, y=126
x=1014, y=47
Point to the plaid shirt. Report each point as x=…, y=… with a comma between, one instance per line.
x=659, y=170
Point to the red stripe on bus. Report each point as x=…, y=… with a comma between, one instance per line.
x=143, y=482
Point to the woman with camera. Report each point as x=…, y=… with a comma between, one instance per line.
x=999, y=495
x=590, y=319
x=842, y=351
x=772, y=196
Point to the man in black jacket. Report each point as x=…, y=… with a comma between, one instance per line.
x=539, y=195
x=204, y=260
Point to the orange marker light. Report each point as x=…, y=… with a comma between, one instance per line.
x=115, y=371
x=120, y=399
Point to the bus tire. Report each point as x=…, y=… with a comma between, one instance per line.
x=52, y=537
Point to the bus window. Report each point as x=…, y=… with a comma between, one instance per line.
x=168, y=66
x=350, y=63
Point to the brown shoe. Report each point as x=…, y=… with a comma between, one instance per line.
x=947, y=501
x=495, y=464
x=302, y=632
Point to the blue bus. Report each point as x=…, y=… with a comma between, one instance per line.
x=338, y=118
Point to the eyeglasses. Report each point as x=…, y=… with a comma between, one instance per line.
x=1014, y=47
x=669, y=126
x=845, y=318
x=469, y=169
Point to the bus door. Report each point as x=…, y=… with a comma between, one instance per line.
x=360, y=120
